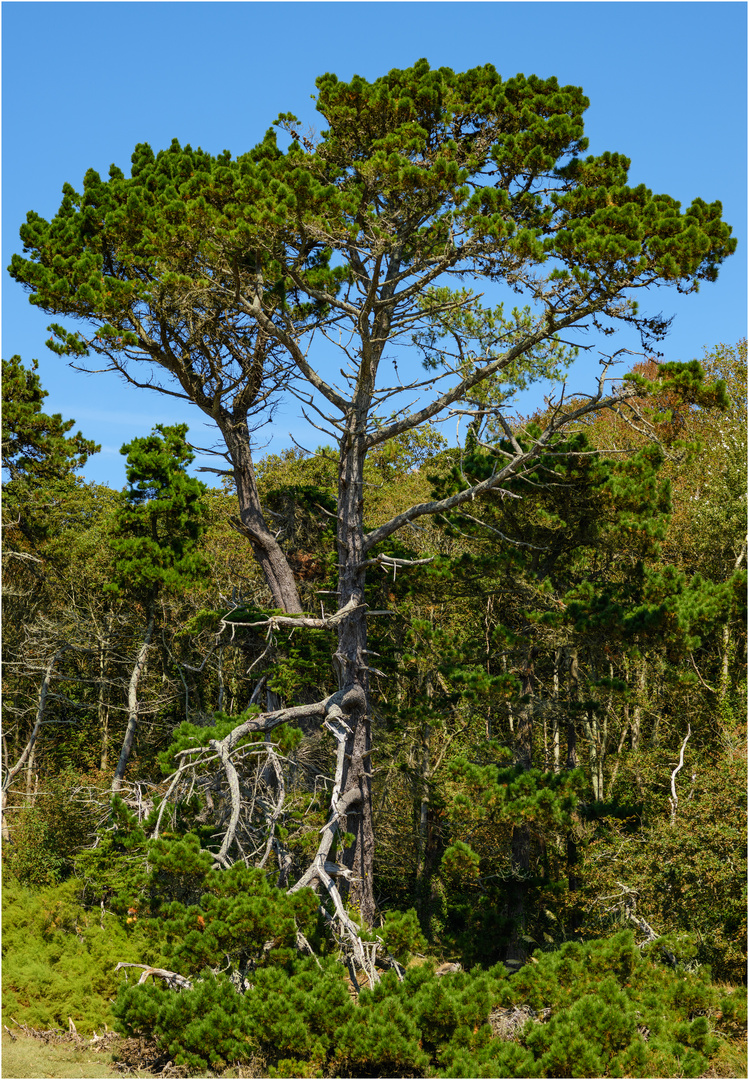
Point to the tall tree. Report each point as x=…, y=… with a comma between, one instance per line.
x=423, y=181
x=36, y=446
x=156, y=542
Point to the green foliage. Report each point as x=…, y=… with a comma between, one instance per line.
x=200, y=1029
x=36, y=447
x=690, y=876
x=235, y=916
x=114, y=871
x=564, y=608
x=40, y=459
x=402, y=934
x=59, y=957
x=161, y=518
x=47, y=835
x=33, y=860
x=188, y=735
x=610, y=1011
x=178, y=870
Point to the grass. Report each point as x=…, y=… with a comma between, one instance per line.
x=24, y=1056
x=729, y=1061
x=27, y=1058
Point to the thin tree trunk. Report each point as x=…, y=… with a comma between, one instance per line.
x=132, y=701
x=220, y=702
x=725, y=685
x=487, y=640
x=521, y=837
x=556, y=752
x=510, y=714
x=596, y=749
x=423, y=829
x=30, y=776
x=28, y=752
x=103, y=704
x=636, y=725
x=592, y=734
x=573, y=880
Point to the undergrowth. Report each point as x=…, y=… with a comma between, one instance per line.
x=59, y=958
x=596, y=1008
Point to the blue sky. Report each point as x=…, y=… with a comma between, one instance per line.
x=84, y=82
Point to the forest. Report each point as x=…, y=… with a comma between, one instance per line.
x=398, y=755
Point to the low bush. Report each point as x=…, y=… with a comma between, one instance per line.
x=59, y=958
x=607, y=1010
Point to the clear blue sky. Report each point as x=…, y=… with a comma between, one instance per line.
x=84, y=82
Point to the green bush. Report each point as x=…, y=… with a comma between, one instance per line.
x=46, y=836
x=690, y=877
x=115, y=871
x=31, y=856
x=612, y=1012
x=402, y=934
x=59, y=958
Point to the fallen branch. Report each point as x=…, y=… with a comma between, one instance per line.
x=274, y=622
x=171, y=977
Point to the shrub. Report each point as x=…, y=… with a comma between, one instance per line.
x=613, y=1012
x=59, y=958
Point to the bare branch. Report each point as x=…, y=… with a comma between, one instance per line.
x=673, y=801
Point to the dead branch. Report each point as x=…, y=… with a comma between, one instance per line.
x=174, y=980
x=274, y=622
x=673, y=801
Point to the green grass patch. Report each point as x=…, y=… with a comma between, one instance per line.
x=27, y=1057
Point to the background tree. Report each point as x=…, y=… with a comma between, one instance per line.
x=40, y=459
x=156, y=542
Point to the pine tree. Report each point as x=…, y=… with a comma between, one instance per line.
x=36, y=446
x=158, y=528
x=421, y=176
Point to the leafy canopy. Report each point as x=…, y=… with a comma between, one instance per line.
x=419, y=173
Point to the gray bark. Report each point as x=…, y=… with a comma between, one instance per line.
x=251, y=524
x=28, y=751
x=132, y=702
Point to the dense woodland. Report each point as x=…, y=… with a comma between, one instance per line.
x=300, y=738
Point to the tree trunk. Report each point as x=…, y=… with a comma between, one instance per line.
x=352, y=668
x=636, y=724
x=132, y=701
x=28, y=752
x=30, y=777
x=103, y=705
x=265, y=547
x=727, y=647
x=573, y=881
x=556, y=750
x=521, y=836
x=422, y=874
